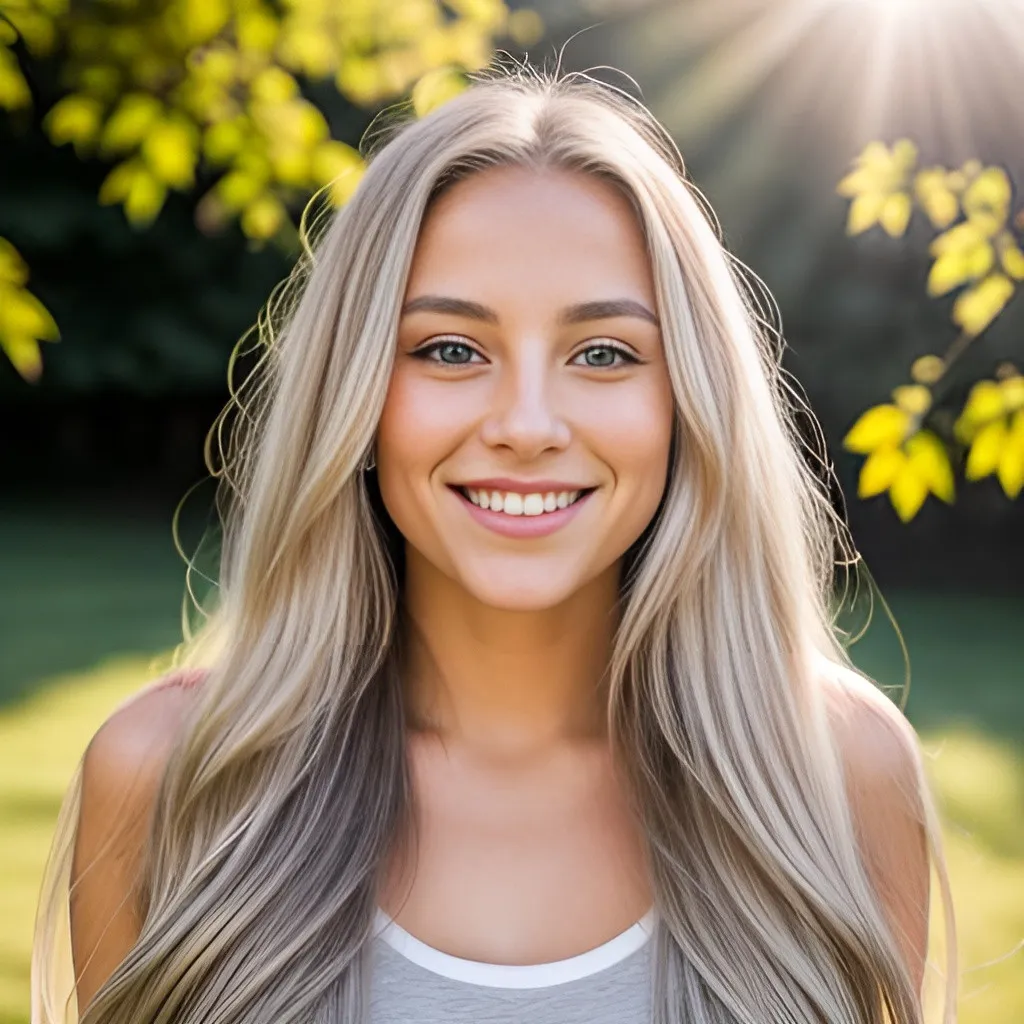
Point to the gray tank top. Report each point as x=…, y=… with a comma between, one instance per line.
x=413, y=983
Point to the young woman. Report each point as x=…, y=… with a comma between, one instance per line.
x=522, y=699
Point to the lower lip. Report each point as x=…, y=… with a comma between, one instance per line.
x=522, y=526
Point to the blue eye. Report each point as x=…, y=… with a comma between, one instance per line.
x=447, y=353
x=600, y=357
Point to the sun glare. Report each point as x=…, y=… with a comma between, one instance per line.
x=947, y=72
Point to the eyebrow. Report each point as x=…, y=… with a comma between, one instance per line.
x=604, y=309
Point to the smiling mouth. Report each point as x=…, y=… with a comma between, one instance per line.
x=512, y=503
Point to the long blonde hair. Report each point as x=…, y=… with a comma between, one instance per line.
x=283, y=796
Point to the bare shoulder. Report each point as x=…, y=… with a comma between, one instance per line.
x=878, y=745
x=134, y=743
x=881, y=758
x=122, y=769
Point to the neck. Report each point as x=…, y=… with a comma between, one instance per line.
x=506, y=681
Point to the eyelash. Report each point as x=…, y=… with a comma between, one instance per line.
x=426, y=351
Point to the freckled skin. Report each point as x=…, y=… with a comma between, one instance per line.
x=526, y=245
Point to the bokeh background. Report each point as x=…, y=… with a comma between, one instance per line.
x=769, y=101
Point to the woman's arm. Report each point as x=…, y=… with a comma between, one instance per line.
x=121, y=773
x=882, y=762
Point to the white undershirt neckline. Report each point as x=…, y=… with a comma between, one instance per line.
x=475, y=972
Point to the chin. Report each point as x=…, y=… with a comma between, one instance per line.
x=532, y=588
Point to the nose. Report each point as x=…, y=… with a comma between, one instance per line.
x=523, y=416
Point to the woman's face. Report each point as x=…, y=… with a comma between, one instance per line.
x=525, y=438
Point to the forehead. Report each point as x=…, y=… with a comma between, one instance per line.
x=549, y=232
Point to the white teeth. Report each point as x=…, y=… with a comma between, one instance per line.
x=533, y=505
x=512, y=503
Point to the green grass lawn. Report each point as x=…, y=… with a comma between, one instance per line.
x=88, y=600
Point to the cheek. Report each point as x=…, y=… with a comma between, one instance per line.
x=634, y=435
x=422, y=423
x=413, y=416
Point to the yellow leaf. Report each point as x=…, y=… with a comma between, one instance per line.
x=263, y=216
x=1011, y=257
x=118, y=182
x=895, y=215
x=948, y=272
x=879, y=471
x=875, y=155
x=929, y=459
x=927, y=369
x=332, y=158
x=24, y=355
x=879, y=426
x=988, y=194
x=291, y=166
x=907, y=493
x=987, y=223
x=145, y=198
x=960, y=238
x=864, y=212
x=201, y=20
x=986, y=450
x=977, y=307
x=857, y=181
x=984, y=403
x=170, y=151
x=1012, y=389
x=1011, y=466
x=35, y=24
x=21, y=313
x=958, y=266
x=308, y=125
x=239, y=188
x=436, y=88
x=24, y=320
x=74, y=119
x=980, y=260
x=12, y=266
x=938, y=200
x=14, y=90
x=129, y=123
x=216, y=64
x=223, y=140
x=133, y=185
x=274, y=85
x=308, y=50
x=359, y=79
x=256, y=30
x=340, y=166
x=913, y=398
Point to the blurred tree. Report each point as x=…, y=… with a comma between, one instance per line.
x=214, y=94
x=911, y=442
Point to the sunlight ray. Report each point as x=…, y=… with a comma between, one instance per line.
x=735, y=69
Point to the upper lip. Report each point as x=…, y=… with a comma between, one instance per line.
x=522, y=486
